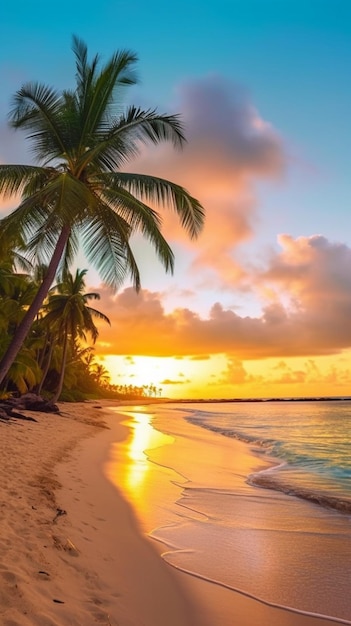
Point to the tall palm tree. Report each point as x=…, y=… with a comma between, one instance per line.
x=81, y=140
x=68, y=311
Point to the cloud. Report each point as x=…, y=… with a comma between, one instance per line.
x=236, y=374
x=168, y=381
x=306, y=311
x=308, y=374
x=7, y=205
x=313, y=275
x=226, y=132
x=229, y=147
x=284, y=375
x=12, y=151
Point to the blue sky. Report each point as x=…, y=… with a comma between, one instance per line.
x=293, y=57
x=281, y=69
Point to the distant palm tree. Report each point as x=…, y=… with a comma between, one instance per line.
x=81, y=140
x=100, y=375
x=68, y=312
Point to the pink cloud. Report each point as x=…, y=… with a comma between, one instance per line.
x=229, y=147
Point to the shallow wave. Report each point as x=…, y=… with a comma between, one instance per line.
x=330, y=618
x=270, y=480
x=234, y=434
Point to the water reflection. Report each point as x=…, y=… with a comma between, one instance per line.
x=136, y=466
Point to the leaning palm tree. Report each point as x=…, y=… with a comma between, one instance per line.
x=68, y=311
x=77, y=191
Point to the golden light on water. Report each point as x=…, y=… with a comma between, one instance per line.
x=143, y=438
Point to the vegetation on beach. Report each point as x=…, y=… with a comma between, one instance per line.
x=57, y=358
x=77, y=192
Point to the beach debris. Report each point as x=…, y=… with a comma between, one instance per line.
x=43, y=573
x=59, y=512
x=7, y=412
x=71, y=548
x=28, y=402
x=33, y=402
x=58, y=601
x=4, y=417
x=65, y=544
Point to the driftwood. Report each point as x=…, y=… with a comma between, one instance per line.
x=10, y=407
x=4, y=417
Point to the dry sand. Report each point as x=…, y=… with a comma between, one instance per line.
x=74, y=556
x=71, y=551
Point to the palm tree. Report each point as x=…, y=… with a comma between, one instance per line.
x=16, y=294
x=67, y=310
x=81, y=141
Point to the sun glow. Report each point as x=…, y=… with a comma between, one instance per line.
x=172, y=377
x=220, y=376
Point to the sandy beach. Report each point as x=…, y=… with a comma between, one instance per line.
x=73, y=555
x=72, y=552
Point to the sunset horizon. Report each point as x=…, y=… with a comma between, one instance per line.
x=259, y=303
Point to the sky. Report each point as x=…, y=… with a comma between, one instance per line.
x=260, y=304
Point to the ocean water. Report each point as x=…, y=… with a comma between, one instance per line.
x=253, y=497
x=309, y=443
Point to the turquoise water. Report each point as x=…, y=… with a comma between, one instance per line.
x=309, y=441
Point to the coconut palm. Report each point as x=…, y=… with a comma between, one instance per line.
x=68, y=312
x=81, y=140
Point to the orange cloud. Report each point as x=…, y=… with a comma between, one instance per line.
x=307, y=312
x=12, y=150
x=284, y=378
x=168, y=381
x=236, y=374
x=6, y=206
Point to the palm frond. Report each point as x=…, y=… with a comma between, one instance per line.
x=96, y=90
x=36, y=109
x=163, y=193
x=106, y=245
x=118, y=143
x=141, y=218
x=150, y=126
x=95, y=313
x=18, y=179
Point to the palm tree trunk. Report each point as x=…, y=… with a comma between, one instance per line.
x=47, y=366
x=63, y=368
x=41, y=353
x=24, y=327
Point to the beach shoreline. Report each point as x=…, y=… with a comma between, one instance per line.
x=53, y=501
x=72, y=551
